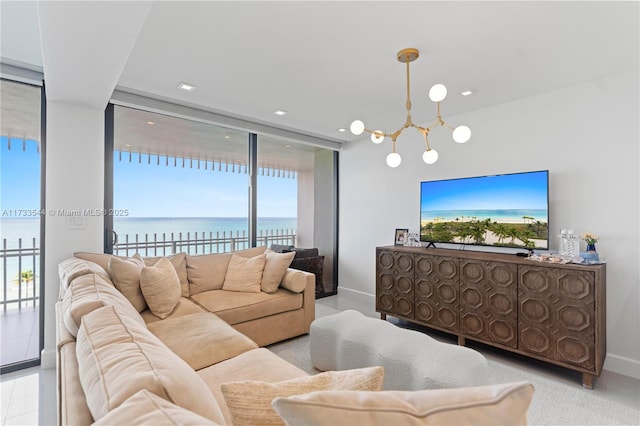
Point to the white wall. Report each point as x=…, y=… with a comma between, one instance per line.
x=587, y=136
x=74, y=181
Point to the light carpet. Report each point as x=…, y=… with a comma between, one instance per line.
x=554, y=403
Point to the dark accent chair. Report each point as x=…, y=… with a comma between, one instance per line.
x=306, y=259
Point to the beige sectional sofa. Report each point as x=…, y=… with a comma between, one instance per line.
x=176, y=355
x=286, y=309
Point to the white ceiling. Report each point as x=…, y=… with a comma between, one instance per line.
x=325, y=62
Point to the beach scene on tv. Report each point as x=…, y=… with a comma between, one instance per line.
x=503, y=211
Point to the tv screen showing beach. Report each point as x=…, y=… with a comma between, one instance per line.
x=510, y=210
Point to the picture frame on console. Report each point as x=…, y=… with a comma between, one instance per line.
x=401, y=234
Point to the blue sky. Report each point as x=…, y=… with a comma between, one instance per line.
x=512, y=191
x=150, y=190
x=19, y=175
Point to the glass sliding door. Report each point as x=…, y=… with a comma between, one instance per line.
x=297, y=187
x=20, y=224
x=181, y=185
x=178, y=185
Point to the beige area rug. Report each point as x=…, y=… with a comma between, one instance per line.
x=554, y=403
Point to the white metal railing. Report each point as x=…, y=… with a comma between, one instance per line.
x=162, y=244
x=20, y=271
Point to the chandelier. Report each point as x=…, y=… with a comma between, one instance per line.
x=438, y=92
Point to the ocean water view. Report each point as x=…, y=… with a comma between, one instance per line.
x=25, y=233
x=12, y=229
x=498, y=215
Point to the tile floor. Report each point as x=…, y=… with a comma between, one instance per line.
x=29, y=396
x=20, y=335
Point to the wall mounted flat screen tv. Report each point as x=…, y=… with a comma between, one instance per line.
x=509, y=210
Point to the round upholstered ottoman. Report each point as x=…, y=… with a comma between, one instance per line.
x=411, y=360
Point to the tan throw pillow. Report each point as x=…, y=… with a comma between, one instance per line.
x=160, y=287
x=146, y=408
x=295, y=280
x=101, y=259
x=504, y=404
x=249, y=402
x=179, y=262
x=206, y=271
x=244, y=274
x=274, y=269
x=118, y=357
x=125, y=274
x=250, y=252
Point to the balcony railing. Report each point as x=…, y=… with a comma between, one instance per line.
x=21, y=264
x=20, y=271
x=197, y=242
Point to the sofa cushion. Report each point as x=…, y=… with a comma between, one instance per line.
x=274, y=269
x=88, y=293
x=117, y=357
x=244, y=274
x=184, y=307
x=101, y=259
x=125, y=274
x=146, y=408
x=206, y=271
x=481, y=405
x=257, y=364
x=160, y=287
x=179, y=262
x=201, y=339
x=71, y=268
x=236, y=307
x=250, y=401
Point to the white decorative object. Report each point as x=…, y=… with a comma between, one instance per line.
x=412, y=239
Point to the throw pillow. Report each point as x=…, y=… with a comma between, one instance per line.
x=256, y=409
x=125, y=274
x=244, y=274
x=481, y=405
x=160, y=287
x=274, y=269
x=179, y=262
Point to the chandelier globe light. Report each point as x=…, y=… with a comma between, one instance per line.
x=437, y=94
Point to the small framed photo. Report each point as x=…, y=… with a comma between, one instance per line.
x=401, y=234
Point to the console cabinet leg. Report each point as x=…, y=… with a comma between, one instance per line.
x=461, y=341
x=587, y=380
x=383, y=317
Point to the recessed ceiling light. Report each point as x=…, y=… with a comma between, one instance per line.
x=186, y=86
x=280, y=112
x=287, y=146
x=227, y=137
x=151, y=123
x=342, y=130
x=466, y=93
x=128, y=145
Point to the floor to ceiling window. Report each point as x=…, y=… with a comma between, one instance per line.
x=20, y=224
x=181, y=185
x=178, y=185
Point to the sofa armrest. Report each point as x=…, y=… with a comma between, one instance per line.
x=305, y=283
x=296, y=280
x=308, y=292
